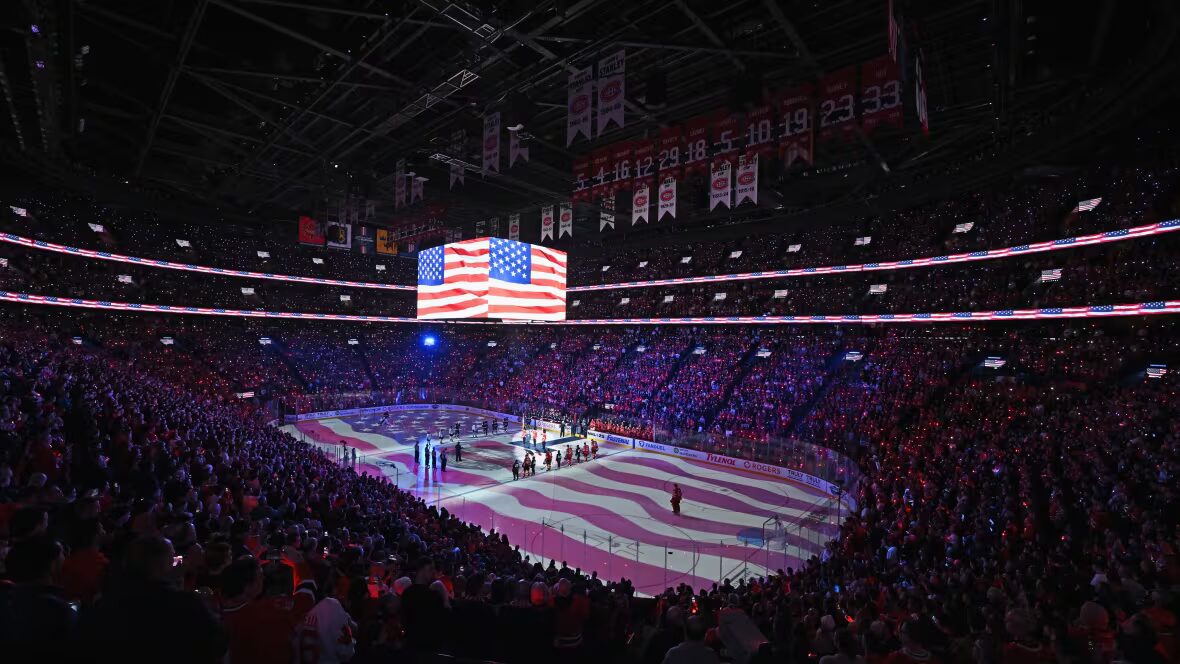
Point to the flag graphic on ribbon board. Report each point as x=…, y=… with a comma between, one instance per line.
x=547, y=222
x=399, y=184
x=458, y=140
x=514, y=226
x=611, y=89
x=606, y=216
x=491, y=143
x=794, y=248
x=747, y=179
x=667, y=198
x=640, y=202
x=516, y=149
x=720, y=184
x=580, y=84
x=964, y=227
x=1087, y=205
x=566, y=221
x=863, y=241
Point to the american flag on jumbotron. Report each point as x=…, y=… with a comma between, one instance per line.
x=1156, y=370
x=1087, y=205
x=994, y=362
x=1051, y=275
x=492, y=278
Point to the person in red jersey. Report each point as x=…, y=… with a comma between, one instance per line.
x=677, y=496
x=548, y=460
x=586, y=451
x=912, y=650
x=569, y=456
x=260, y=626
x=594, y=449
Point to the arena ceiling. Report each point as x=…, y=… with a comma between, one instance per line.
x=273, y=106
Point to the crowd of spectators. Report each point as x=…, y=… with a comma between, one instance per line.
x=1025, y=513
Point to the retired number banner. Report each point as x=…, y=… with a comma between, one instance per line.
x=880, y=94
x=837, y=108
x=797, y=143
x=581, y=179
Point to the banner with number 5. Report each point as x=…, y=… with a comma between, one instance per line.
x=880, y=94
x=837, y=104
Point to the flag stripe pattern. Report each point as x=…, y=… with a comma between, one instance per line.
x=492, y=278
x=1119, y=235
x=1095, y=311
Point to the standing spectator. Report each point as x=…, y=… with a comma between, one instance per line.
x=260, y=627
x=85, y=568
x=423, y=612
x=35, y=618
x=693, y=649
x=147, y=618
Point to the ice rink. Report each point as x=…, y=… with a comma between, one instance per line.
x=611, y=515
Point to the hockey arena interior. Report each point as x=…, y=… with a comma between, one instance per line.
x=578, y=331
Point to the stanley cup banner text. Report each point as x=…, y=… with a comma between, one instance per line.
x=566, y=221
x=580, y=86
x=514, y=226
x=516, y=149
x=611, y=88
x=667, y=198
x=458, y=139
x=547, y=223
x=720, y=184
x=399, y=183
x=491, y=143
x=606, y=216
x=491, y=278
x=747, y=179
x=640, y=202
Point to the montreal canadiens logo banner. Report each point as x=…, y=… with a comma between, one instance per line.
x=720, y=184
x=547, y=223
x=640, y=201
x=491, y=143
x=606, y=216
x=578, y=122
x=566, y=221
x=611, y=88
x=516, y=149
x=514, y=227
x=747, y=179
x=667, y=198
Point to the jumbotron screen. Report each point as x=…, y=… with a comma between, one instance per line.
x=491, y=278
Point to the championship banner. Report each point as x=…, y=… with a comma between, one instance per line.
x=747, y=179
x=491, y=143
x=386, y=244
x=606, y=216
x=516, y=149
x=620, y=156
x=566, y=221
x=310, y=231
x=547, y=222
x=667, y=198
x=578, y=101
x=417, y=189
x=880, y=94
x=494, y=227
x=611, y=88
x=760, y=138
x=726, y=135
x=581, y=179
x=399, y=184
x=798, y=137
x=363, y=240
x=720, y=184
x=920, y=94
x=644, y=156
x=458, y=141
x=601, y=173
x=640, y=202
x=514, y=227
x=668, y=157
x=339, y=235
x=696, y=144
x=837, y=109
